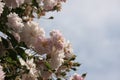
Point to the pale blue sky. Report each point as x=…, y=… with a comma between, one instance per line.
x=93, y=27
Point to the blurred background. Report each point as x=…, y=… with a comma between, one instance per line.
x=93, y=28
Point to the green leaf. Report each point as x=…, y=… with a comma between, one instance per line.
x=12, y=54
x=3, y=19
x=51, y=17
x=74, y=69
x=72, y=58
x=76, y=64
x=21, y=53
x=63, y=73
x=35, y=3
x=19, y=11
x=5, y=42
x=22, y=44
x=9, y=60
x=12, y=39
x=59, y=79
x=84, y=75
x=48, y=65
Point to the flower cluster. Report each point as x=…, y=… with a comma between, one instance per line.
x=2, y=74
x=77, y=77
x=39, y=6
x=14, y=22
x=26, y=53
x=1, y=7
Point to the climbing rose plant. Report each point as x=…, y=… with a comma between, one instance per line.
x=25, y=51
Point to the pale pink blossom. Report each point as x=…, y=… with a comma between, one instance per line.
x=43, y=45
x=57, y=39
x=39, y=1
x=31, y=31
x=56, y=58
x=49, y=4
x=43, y=70
x=2, y=74
x=13, y=3
x=68, y=50
x=61, y=0
x=1, y=7
x=76, y=77
x=28, y=1
x=33, y=73
x=15, y=22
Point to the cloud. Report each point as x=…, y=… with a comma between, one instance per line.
x=93, y=27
